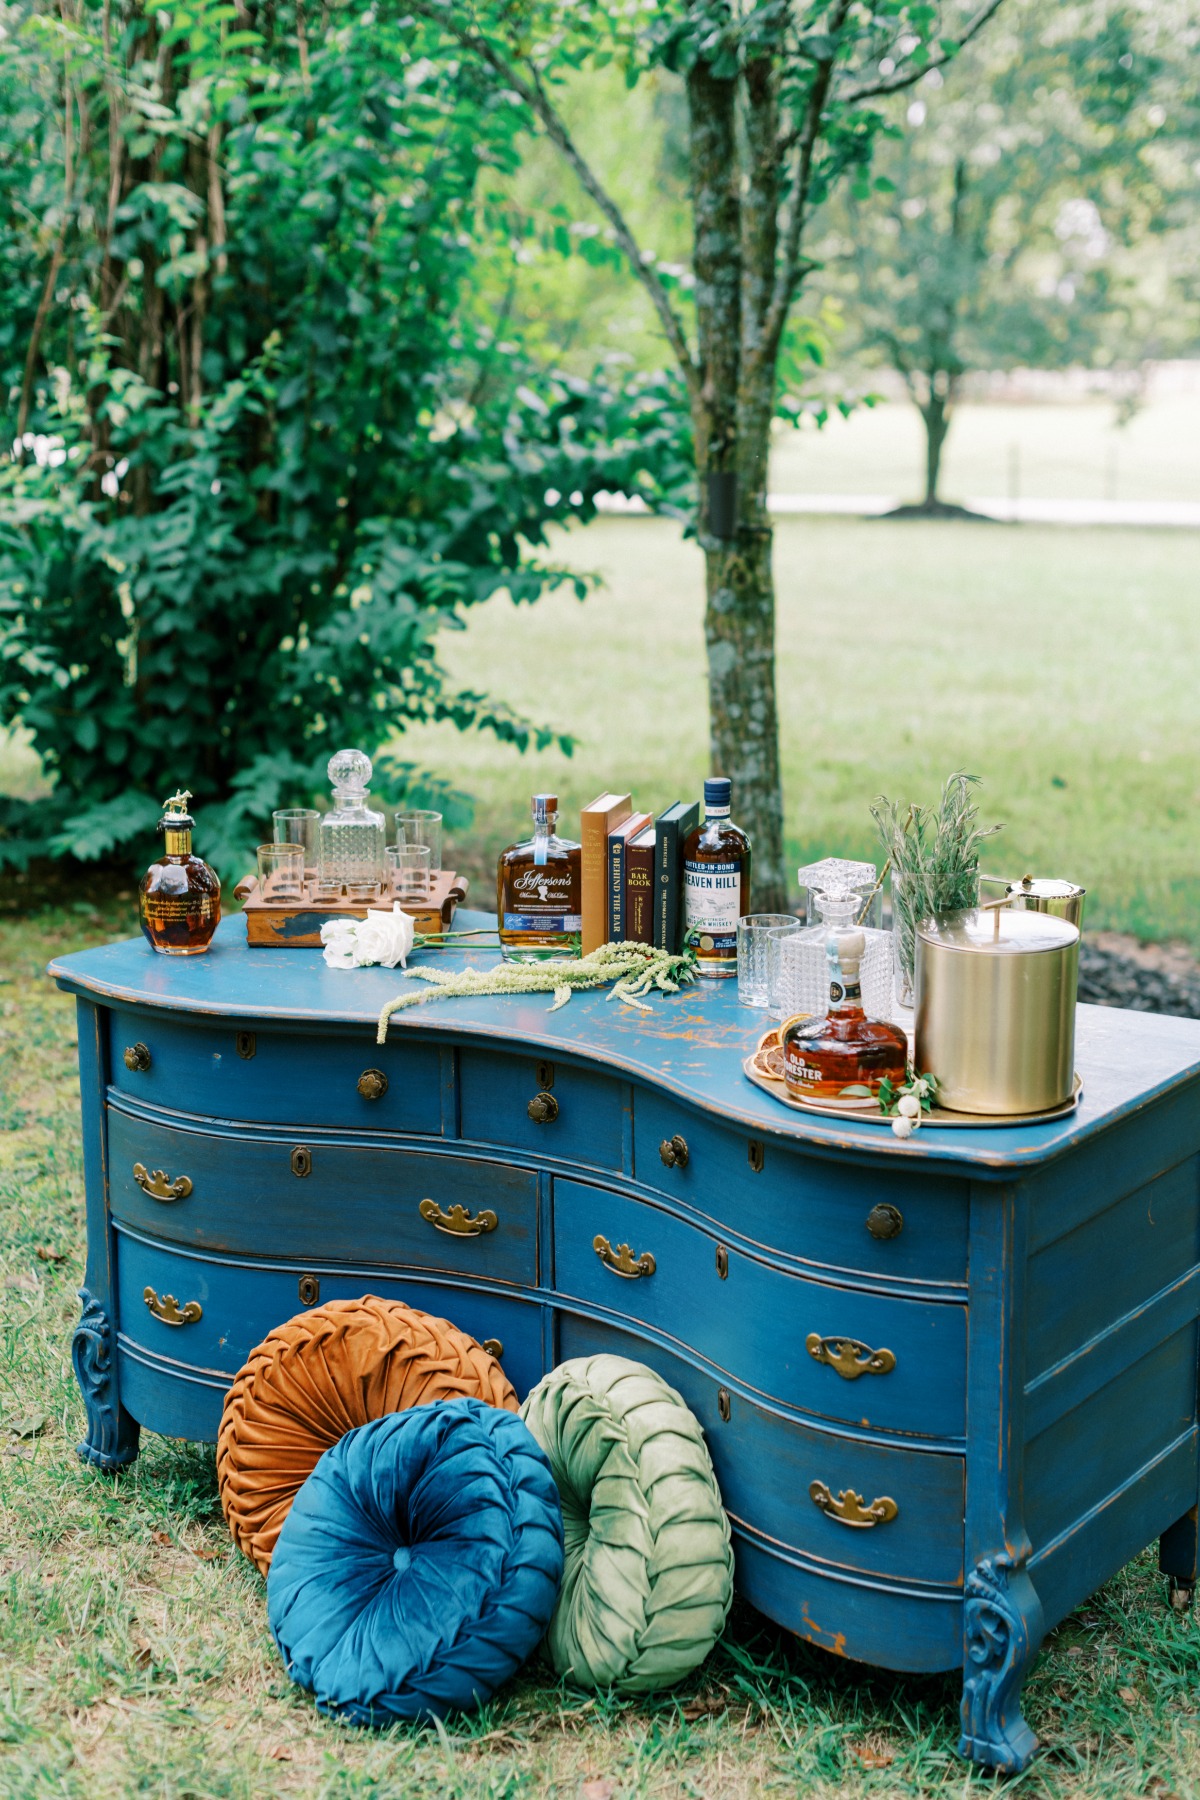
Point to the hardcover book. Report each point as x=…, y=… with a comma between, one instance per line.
x=670, y=830
x=595, y=823
x=639, y=887
x=618, y=838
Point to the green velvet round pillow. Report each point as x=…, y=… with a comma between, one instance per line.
x=648, y=1568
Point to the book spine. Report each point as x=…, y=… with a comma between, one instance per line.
x=639, y=893
x=616, y=888
x=593, y=837
x=666, y=884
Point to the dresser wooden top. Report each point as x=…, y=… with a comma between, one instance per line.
x=691, y=1044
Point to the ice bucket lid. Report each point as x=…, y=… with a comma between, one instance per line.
x=998, y=931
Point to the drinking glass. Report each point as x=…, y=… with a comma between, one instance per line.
x=923, y=895
x=408, y=869
x=417, y=827
x=752, y=943
x=297, y=825
x=280, y=872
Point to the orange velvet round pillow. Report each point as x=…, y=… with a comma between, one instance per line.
x=317, y=1377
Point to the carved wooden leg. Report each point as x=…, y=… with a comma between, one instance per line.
x=112, y=1436
x=1177, y=1560
x=1002, y=1628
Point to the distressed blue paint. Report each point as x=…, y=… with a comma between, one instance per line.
x=1041, y=1299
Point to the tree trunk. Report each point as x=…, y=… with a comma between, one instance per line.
x=936, y=414
x=739, y=631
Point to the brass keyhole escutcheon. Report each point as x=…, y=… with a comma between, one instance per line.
x=885, y=1220
x=494, y=1347
x=137, y=1058
x=674, y=1152
x=543, y=1109
x=724, y=1405
x=309, y=1288
x=722, y=1262
x=247, y=1045
x=301, y=1161
x=545, y=1074
x=372, y=1084
x=756, y=1155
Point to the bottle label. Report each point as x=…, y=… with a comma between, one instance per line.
x=712, y=901
x=174, y=909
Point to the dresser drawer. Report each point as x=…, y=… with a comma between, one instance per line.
x=525, y=1103
x=766, y=1465
x=276, y=1077
x=866, y=1358
x=806, y=1206
x=226, y=1307
x=281, y=1197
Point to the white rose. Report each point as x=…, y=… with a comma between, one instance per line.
x=909, y=1106
x=337, y=935
x=903, y=1126
x=384, y=937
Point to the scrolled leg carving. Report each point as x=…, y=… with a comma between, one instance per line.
x=1002, y=1628
x=112, y=1436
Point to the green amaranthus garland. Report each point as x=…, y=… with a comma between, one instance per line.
x=635, y=968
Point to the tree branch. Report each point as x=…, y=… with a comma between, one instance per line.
x=535, y=97
x=806, y=135
x=895, y=83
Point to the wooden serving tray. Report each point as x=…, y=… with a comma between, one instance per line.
x=758, y=1069
x=296, y=924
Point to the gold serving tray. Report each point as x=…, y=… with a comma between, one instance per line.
x=866, y=1112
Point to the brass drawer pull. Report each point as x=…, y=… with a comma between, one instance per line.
x=885, y=1220
x=543, y=1109
x=372, y=1084
x=848, y=1508
x=167, y=1308
x=674, y=1152
x=137, y=1057
x=158, y=1184
x=850, y=1358
x=458, y=1222
x=494, y=1347
x=622, y=1260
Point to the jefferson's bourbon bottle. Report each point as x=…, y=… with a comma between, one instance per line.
x=538, y=891
x=824, y=1056
x=179, y=898
x=716, y=882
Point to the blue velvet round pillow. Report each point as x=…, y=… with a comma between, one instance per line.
x=419, y=1565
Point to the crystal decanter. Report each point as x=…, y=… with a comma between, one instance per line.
x=350, y=852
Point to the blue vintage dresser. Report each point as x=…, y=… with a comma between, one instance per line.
x=949, y=1385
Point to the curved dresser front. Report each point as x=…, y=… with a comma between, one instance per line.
x=904, y=1356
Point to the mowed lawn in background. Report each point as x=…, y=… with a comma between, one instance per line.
x=136, y=1657
x=1061, y=664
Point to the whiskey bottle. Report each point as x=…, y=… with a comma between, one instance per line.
x=716, y=882
x=539, y=885
x=824, y=1057
x=179, y=896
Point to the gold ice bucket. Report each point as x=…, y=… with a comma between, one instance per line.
x=995, y=1009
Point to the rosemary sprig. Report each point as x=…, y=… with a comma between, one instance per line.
x=934, y=853
x=635, y=969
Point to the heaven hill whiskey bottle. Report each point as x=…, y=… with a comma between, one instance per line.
x=538, y=891
x=179, y=897
x=716, y=882
x=823, y=1057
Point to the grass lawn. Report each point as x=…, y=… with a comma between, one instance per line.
x=1061, y=664
x=133, y=1638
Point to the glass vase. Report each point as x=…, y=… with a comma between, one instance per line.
x=919, y=895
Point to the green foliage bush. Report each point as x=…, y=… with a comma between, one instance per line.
x=268, y=440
